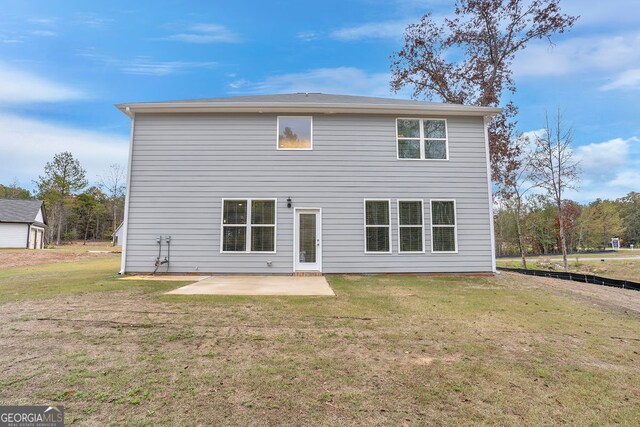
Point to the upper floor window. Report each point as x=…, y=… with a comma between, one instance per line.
x=295, y=133
x=422, y=139
x=249, y=225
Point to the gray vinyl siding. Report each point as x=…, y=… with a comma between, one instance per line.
x=183, y=165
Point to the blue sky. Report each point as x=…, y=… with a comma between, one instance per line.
x=64, y=64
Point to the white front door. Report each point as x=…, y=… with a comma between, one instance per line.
x=308, y=239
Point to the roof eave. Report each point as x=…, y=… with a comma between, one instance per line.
x=230, y=107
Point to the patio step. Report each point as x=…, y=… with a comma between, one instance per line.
x=307, y=274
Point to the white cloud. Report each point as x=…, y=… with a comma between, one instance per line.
x=579, y=55
x=43, y=33
x=146, y=66
x=307, y=36
x=19, y=86
x=205, y=33
x=33, y=142
x=372, y=30
x=92, y=20
x=342, y=80
x=598, y=13
x=629, y=79
x=531, y=135
x=42, y=21
x=603, y=157
x=627, y=179
x=609, y=169
x=9, y=40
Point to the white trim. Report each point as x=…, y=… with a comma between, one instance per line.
x=490, y=194
x=248, y=225
x=422, y=139
x=318, y=212
x=400, y=251
x=125, y=221
x=294, y=149
x=455, y=224
x=305, y=107
x=364, y=211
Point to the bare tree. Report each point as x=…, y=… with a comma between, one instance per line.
x=555, y=170
x=513, y=183
x=468, y=59
x=112, y=183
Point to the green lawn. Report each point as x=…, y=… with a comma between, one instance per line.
x=50, y=280
x=387, y=350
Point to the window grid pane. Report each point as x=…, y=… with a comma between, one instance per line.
x=444, y=239
x=235, y=212
x=435, y=149
x=408, y=128
x=435, y=129
x=377, y=239
x=234, y=239
x=411, y=239
x=262, y=239
x=442, y=213
x=263, y=212
x=410, y=212
x=409, y=148
x=377, y=212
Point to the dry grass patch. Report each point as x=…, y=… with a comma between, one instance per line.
x=71, y=252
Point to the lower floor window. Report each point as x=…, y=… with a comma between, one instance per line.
x=377, y=226
x=249, y=225
x=443, y=226
x=410, y=226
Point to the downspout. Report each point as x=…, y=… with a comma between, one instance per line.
x=28, y=234
x=490, y=194
x=125, y=226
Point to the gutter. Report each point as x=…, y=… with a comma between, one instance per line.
x=326, y=108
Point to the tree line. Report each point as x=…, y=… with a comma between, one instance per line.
x=589, y=227
x=76, y=210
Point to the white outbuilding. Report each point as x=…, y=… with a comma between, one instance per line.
x=22, y=224
x=117, y=235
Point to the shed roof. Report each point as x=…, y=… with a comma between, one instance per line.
x=307, y=102
x=22, y=211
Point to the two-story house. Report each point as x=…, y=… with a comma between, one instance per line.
x=278, y=184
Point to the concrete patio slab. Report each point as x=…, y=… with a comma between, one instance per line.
x=165, y=278
x=257, y=285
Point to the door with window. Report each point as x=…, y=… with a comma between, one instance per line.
x=308, y=240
